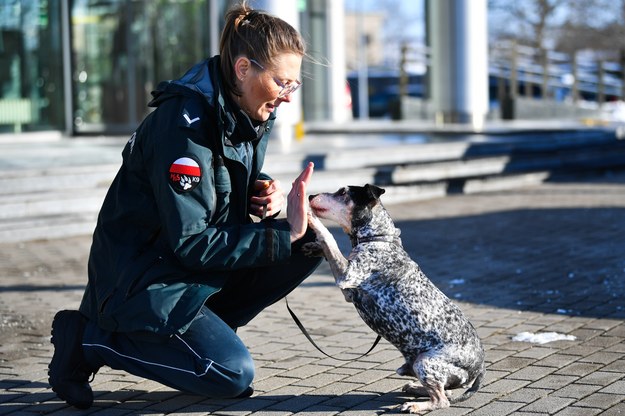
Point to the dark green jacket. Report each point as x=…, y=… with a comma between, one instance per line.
x=175, y=221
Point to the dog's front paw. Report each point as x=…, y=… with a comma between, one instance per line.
x=312, y=249
x=314, y=222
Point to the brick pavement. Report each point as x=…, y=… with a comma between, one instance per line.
x=537, y=259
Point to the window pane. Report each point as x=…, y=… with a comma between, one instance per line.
x=123, y=48
x=31, y=88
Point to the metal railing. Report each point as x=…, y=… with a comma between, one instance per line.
x=523, y=70
x=556, y=74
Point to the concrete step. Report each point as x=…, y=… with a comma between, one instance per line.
x=47, y=227
x=53, y=217
x=60, y=201
x=435, y=151
x=53, y=202
x=20, y=181
x=569, y=160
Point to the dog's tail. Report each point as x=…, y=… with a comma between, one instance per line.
x=471, y=391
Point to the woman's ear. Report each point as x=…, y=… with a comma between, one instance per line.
x=241, y=67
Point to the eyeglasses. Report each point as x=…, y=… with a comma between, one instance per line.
x=288, y=88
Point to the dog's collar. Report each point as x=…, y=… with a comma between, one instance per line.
x=384, y=238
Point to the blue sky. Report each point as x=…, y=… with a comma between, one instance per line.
x=404, y=17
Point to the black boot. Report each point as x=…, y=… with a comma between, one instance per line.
x=68, y=371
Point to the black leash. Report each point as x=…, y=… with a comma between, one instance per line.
x=307, y=335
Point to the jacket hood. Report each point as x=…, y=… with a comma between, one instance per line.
x=197, y=78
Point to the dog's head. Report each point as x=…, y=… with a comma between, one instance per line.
x=351, y=207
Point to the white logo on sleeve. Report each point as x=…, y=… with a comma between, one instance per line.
x=189, y=120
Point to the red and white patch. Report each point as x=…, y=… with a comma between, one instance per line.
x=185, y=174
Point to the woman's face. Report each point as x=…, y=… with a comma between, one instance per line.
x=259, y=87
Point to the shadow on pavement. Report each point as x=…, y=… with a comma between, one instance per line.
x=567, y=261
x=142, y=401
x=550, y=260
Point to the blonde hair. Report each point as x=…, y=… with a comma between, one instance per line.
x=256, y=35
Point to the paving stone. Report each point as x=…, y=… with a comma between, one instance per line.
x=536, y=353
x=384, y=386
x=605, y=341
x=557, y=360
x=576, y=390
x=553, y=382
x=525, y=395
x=617, y=331
x=602, y=357
x=616, y=388
x=273, y=383
x=320, y=380
x=504, y=387
x=497, y=409
x=318, y=409
x=494, y=355
x=350, y=400
x=512, y=364
x=548, y=405
x=532, y=372
x=299, y=403
x=493, y=375
x=617, y=410
x=579, y=369
x=338, y=388
x=370, y=376
x=578, y=411
x=305, y=371
x=616, y=366
x=600, y=378
x=601, y=400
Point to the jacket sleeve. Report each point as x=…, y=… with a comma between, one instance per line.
x=190, y=183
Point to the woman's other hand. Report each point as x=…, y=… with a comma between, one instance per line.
x=268, y=199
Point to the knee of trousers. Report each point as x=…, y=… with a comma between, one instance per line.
x=227, y=380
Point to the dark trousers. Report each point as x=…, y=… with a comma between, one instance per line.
x=209, y=359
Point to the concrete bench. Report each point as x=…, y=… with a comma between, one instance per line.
x=16, y=111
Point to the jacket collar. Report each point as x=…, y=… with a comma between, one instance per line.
x=239, y=126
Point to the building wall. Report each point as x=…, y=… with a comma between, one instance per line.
x=369, y=25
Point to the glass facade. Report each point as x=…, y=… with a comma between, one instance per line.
x=31, y=68
x=122, y=48
x=113, y=55
x=89, y=66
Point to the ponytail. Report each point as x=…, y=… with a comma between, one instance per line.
x=256, y=35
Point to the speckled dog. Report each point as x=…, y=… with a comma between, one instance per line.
x=395, y=298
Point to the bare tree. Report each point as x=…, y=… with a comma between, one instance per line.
x=566, y=25
x=532, y=20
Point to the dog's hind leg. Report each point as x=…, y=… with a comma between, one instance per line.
x=416, y=389
x=406, y=369
x=438, y=399
x=434, y=373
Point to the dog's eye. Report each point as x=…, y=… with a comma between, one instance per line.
x=341, y=192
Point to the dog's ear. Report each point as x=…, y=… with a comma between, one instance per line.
x=374, y=191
